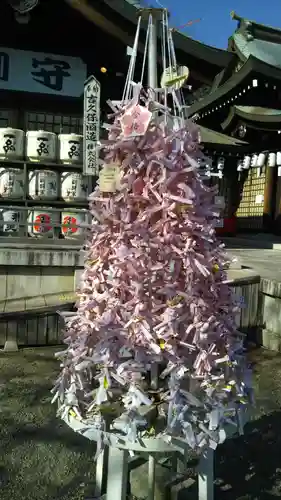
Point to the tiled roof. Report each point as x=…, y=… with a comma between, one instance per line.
x=267, y=52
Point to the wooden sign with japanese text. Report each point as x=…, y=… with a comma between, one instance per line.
x=41, y=73
x=91, y=126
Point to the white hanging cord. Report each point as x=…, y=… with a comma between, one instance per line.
x=149, y=26
x=172, y=48
x=167, y=33
x=128, y=86
x=164, y=58
x=176, y=109
x=168, y=36
x=129, y=92
x=178, y=97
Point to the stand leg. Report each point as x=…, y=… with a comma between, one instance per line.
x=206, y=476
x=151, y=477
x=154, y=374
x=117, y=474
x=101, y=473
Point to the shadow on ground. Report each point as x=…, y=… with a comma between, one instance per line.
x=250, y=466
x=42, y=459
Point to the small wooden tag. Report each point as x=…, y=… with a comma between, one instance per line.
x=109, y=179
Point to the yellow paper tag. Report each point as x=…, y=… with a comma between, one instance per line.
x=215, y=268
x=243, y=401
x=138, y=318
x=72, y=413
x=105, y=383
x=227, y=388
x=181, y=207
x=109, y=179
x=161, y=343
x=175, y=301
x=93, y=262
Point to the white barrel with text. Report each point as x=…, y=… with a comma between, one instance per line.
x=43, y=223
x=11, y=144
x=43, y=184
x=74, y=186
x=41, y=146
x=74, y=223
x=11, y=222
x=71, y=148
x=11, y=183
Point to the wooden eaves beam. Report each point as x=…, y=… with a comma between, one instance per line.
x=92, y=15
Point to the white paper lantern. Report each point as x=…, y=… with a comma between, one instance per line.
x=11, y=183
x=11, y=143
x=220, y=164
x=254, y=160
x=240, y=166
x=246, y=162
x=41, y=146
x=71, y=221
x=71, y=148
x=74, y=186
x=261, y=160
x=11, y=222
x=41, y=222
x=271, y=159
x=43, y=184
x=278, y=158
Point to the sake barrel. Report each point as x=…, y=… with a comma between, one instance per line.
x=41, y=146
x=11, y=222
x=74, y=186
x=71, y=221
x=41, y=222
x=11, y=144
x=71, y=148
x=11, y=183
x=43, y=184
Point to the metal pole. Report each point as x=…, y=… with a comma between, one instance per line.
x=152, y=51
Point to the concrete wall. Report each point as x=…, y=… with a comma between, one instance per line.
x=39, y=275
x=270, y=311
x=32, y=277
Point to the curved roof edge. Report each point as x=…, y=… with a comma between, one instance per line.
x=261, y=27
x=209, y=136
x=252, y=64
x=213, y=55
x=253, y=114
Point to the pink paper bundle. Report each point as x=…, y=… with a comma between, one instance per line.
x=155, y=295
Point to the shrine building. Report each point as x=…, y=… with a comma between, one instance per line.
x=244, y=102
x=47, y=53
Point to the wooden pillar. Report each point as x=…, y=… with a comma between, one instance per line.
x=232, y=186
x=277, y=217
x=269, y=199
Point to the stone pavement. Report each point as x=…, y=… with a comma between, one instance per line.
x=266, y=263
x=260, y=252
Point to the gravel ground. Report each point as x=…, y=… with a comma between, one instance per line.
x=41, y=459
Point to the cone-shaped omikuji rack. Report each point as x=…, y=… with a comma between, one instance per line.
x=154, y=361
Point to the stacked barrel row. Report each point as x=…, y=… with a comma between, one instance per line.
x=46, y=183
x=44, y=222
